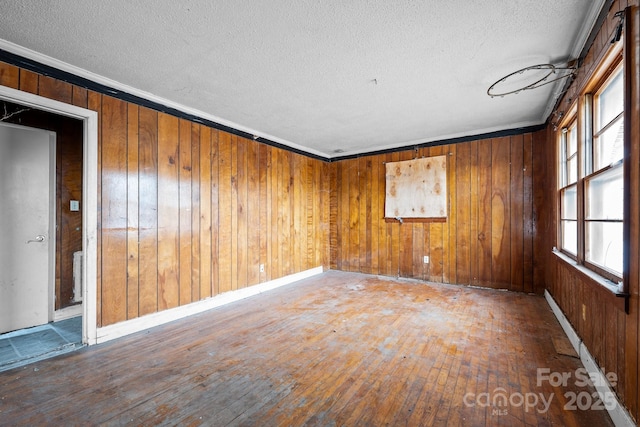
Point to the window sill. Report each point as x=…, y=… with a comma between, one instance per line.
x=612, y=289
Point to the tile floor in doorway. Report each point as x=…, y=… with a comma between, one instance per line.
x=19, y=348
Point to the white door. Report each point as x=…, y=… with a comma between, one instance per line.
x=26, y=226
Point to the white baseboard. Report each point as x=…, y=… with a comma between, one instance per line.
x=619, y=415
x=127, y=327
x=67, y=313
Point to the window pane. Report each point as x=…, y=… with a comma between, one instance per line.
x=609, y=145
x=572, y=170
x=570, y=236
x=572, y=140
x=604, y=245
x=569, y=203
x=605, y=195
x=610, y=101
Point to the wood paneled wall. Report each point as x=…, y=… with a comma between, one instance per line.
x=187, y=211
x=488, y=238
x=610, y=334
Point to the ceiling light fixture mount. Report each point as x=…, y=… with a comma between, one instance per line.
x=550, y=73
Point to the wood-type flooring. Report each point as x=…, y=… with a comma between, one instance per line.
x=335, y=349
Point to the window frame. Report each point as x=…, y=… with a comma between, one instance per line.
x=599, y=83
x=582, y=115
x=570, y=123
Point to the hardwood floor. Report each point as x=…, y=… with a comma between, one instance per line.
x=336, y=349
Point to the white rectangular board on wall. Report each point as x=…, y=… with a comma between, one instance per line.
x=416, y=188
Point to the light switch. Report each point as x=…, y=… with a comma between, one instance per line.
x=74, y=205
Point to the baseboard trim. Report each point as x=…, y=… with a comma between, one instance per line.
x=619, y=414
x=121, y=329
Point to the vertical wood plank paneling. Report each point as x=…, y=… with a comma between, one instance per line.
x=9, y=75
x=253, y=214
x=436, y=236
x=264, y=165
x=385, y=225
x=620, y=333
x=327, y=185
x=287, y=214
x=133, y=197
x=241, y=214
x=168, y=212
x=205, y=212
x=500, y=213
x=297, y=230
x=299, y=225
x=148, y=214
x=215, y=212
x=405, y=231
x=354, y=216
x=234, y=212
x=474, y=212
x=375, y=213
x=334, y=216
x=417, y=240
x=449, y=231
x=484, y=212
x=29, y=82
x=426, y=238
x=276, y=201
x=195, y=212
x=517, y=213
x=528, y=218
x=363, y=228
x=161, y=173
x=272, y=226
x=541, y=207
x=254, y=247
x=312, y=214
x=419, y=251
x=344, y=215
x=55, y=89
x=114, y=212
x=224, y=230
x=394, y=233
x=462, y=177
x=79, y=97
x=371, y=231
x=487, y=212
x=185, y=232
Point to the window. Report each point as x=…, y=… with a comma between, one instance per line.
x=604, y=187
x=591, y=183
x=569, y=187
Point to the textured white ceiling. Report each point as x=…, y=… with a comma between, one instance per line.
x=357, y=75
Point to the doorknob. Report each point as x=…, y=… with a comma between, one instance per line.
x=39, y=238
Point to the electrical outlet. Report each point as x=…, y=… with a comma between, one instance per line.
x=261, y=268
x=425, y=259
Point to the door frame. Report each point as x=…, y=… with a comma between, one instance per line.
x=90, y=199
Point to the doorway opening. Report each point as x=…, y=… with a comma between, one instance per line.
x=75, y=229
